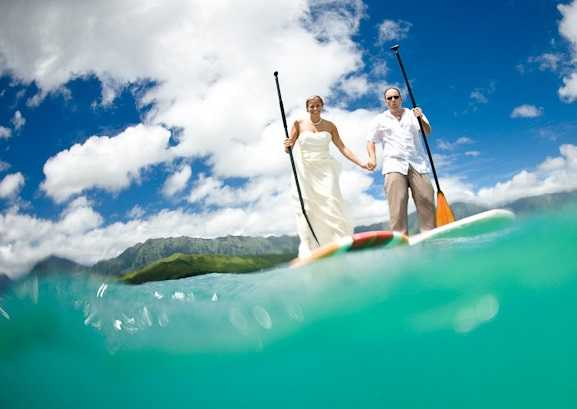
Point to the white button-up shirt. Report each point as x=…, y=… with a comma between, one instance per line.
x=401, y=141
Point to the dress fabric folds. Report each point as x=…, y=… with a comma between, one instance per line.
x=318, y=175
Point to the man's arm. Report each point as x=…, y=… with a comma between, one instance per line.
x=426, y=125
x=372, y=163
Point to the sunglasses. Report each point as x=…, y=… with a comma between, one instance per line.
x=393, y=97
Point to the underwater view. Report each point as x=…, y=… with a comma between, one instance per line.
x=483, y=321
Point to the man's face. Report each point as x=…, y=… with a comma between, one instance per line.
x=393, y=98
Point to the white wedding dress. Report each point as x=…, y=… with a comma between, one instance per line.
x=318, y=175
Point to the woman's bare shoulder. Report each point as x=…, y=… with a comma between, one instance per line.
x=330, y=124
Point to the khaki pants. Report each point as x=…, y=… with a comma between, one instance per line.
x=397, y=188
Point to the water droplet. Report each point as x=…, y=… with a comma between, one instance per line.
x=163, y=319
x=4, y=313
x=238, y=320
x=485, y=309
x=262, y=317
x=178, y=296
x=101, y=290
x=117, y=325
x=146, y=317
x=90, y=318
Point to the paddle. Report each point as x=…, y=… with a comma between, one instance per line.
x=444, y=214
x=292, y=159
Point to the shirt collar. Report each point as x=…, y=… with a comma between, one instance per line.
x=390, y=114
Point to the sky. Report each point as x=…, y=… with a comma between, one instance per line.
x=126, y=120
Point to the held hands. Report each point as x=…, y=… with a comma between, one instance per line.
x=370, y=165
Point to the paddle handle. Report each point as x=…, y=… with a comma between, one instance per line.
x=395, y=49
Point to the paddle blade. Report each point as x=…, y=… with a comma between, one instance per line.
x=444, y=213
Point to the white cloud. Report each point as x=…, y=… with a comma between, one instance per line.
x=526, y=111
x=109, y=163
x=355, y=87
x=4, y=166
x=136, y=212
x=204, y=188
x=568, y=29
x=214, y=192
x=5, y=133
x=177, y=181
x=449, y=146
x=568, y=92
x=547, y=61
x=553, y=175
x=478, y=96
x=11, y=185
x=443, y=161
x=36, y=99
x=464, y=140
x=380, y=69
x=473, y=153
x=390, y=30
x=78, y=218
x=18, y=121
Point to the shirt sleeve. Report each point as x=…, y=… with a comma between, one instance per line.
x=416, y=121
x=374, y=132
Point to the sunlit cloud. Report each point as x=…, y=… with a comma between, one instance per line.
x=526, y=111
x=568, y=29
x=390, y=30
x=177, y=181
x=5, y=133
x=18, y=120
x=11, y=185
x=109, y=163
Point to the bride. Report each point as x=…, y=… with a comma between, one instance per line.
x=319, y=178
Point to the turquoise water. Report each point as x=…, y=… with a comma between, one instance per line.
x=480, y=322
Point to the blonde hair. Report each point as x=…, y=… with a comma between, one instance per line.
x=311, y=98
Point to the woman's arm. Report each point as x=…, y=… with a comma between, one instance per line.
x=347, y=153
x=291, y=140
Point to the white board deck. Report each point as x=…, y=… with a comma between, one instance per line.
x=490, y=220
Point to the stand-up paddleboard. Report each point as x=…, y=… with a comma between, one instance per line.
x=477, y=224
x=359, y=241
x=480, y=223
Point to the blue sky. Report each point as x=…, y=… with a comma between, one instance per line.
x=123, y=121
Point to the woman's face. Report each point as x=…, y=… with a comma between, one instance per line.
x=315, y=106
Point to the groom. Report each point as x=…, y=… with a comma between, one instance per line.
x=405, y=164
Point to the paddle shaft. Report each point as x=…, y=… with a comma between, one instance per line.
x=292, y=158
x=396, y=51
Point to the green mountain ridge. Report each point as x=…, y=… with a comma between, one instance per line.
x=151, y=250
x=187, y=265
